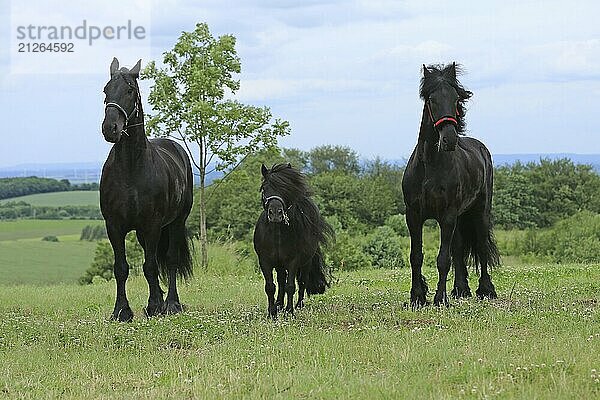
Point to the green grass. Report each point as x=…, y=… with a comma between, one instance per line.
x=540, y=340
x=37, y=228
x=45, y=263
x=74, y=198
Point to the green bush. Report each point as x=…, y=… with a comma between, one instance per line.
x=93, y=232
x=575, y=239
x=384, y=248
x=103, y=263
x=398, y=223
x=346, y=253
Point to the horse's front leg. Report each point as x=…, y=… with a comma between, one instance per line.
x=155, y=299
x=290, y=286
x=281, y=279
x=418, y=290
x=122, y=312
x=447, y=227
x=267, y=272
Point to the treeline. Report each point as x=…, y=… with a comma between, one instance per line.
x=15, y=187
x=364, y=202
x=361, y=196
x=537, y=195
x=22, y=210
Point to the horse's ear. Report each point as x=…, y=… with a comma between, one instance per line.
x=452, y=70
x=264, y=171
x=114, y=66
x=426, y=72
x=135, y=71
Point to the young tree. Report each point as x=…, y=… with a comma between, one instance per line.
x=192, y=102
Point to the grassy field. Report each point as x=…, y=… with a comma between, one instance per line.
x=74, y=198
x=25, y=258
x=38, y=228
x=540, y=340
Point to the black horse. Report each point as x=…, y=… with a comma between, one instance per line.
x=146, y=186
x=449, y=178
x=288, y=237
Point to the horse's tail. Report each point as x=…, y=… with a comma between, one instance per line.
x=478, y=247
x=181, y=256
x=317, y=276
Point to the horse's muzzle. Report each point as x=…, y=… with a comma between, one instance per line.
x=275, y=216
x=111, y=132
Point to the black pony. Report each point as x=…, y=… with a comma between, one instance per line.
x=449, y=178
x=146, y=186
x=288, y=237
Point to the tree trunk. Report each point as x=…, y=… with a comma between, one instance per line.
x=203, y=237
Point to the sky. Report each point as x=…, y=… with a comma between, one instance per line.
x=341, y=72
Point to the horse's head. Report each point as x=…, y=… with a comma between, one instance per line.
x=444, y=100
x=278, y=191
x=121, y=101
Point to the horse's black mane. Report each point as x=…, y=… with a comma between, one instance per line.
x=304, y=215
x=439, y=74
x=288, y=181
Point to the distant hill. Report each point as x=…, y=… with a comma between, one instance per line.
x=76, y=173
x=507, y=159
x=88, y=172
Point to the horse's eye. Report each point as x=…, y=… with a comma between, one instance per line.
x=130, y=91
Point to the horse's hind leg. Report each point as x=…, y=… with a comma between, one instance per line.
x=176, y=232
x=301, y=290
x=122, y=312
x=418, y=290
x=486, y=288
x=151, y=237
x=461, y=283
x=281, y=279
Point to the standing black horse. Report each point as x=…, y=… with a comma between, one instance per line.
x=146, y=186
x=449, y=178
x=288, y=237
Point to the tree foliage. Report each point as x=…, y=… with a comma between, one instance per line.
x=192, y=100
x=102, y=266
x=540, y=194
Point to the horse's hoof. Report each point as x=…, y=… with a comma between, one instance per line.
x=289, y=310
x=417, y=302
x=486, y=291
x=441, y=299
x=172, y=307
x=486, y=294
x=460, y=292
x=153, y=309
x=123, y=314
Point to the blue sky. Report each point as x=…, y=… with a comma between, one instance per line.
x=343, y=72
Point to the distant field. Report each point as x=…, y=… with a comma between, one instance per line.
x=45, y=263
x=26, y=259
x=75, y=198
x=37, y=228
